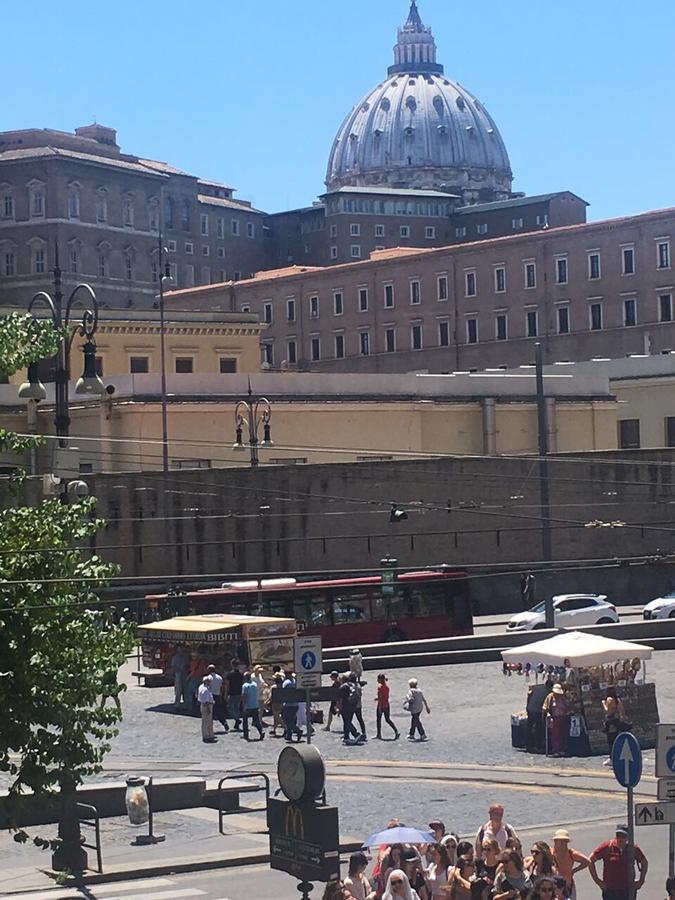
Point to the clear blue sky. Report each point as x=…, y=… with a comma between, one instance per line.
x=252, y=93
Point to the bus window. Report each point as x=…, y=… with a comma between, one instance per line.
x=400, y=605
x=351, y=607
x=459, y=604
x=278, y=606
x=319, y=615
x=428, y=600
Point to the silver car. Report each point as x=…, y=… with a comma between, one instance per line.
x=660, y=608
x=570, y=611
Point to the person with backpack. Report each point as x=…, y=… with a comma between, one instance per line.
x=495, y=829
x=347, y=702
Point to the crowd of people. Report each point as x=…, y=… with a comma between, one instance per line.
x=493, y=866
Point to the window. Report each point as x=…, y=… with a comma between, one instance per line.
x=185, y=214
x=333, y=231
x=221, y=253
x=595, y=314
x=561, y=270
x=206, y=250
x=364, y=343
x=39, y=261
x=389, y=296
x=101, y=207
x=405, y=231
x=355, y=251
x=563, y=315
x=102, y=265
x=206, y=275
x=153, y=215
x=355, y=229
x=290, y=310
x=74, y=259
x=333, y=252
x=416, y=337
x=128, y=212
x=460, y=232
x=10, y=265
x=250, y=230
x=184, y=365
x=338, y=305
x=220, y=227
x=171, y=246
x=363, y=299
x=628, y=261
x=128, y=266
x=222, y=275
x=472, y=331
x=37, y=202
x=500, y=280
x=501, y=327
x=139, y=365
x=516, y=224
x=291, y=352
x=379, y=231
x=670, y=431
x=430, y=232
x=663, y=254
x=443, y=334
x=246, y=307
x=666, y=308
x=154, y=269
x=630, y=312
x=442, y=287
x=314, y=307
x=593, y=266
x=542, y=220
x=204, y=224
x=168, y=212
x=227, y=365
x=189, y=276
x=268, y=353
x=415, y=292
x=482, y=228
x=267, y=313
x=629, y=434
x=389, y=340
x=531, y=323
x=315, y=347
x=530, y=275
x=470, y=284
x=235, y=227
x=73, y=202
x=8, y=206
x=339, y=346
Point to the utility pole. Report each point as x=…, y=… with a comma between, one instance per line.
x=544, y=493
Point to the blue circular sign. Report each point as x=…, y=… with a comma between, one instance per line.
x=670, y=759
x=627, y=760
x=308, y=660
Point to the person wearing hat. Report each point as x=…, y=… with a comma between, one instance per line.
x=616, y=878
x=205, y=700
x=567, y=860
x=555, y=710
x=356, y=664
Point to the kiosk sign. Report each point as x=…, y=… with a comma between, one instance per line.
x=304, y=839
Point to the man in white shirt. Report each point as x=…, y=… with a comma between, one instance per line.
x=219, y=711
x=205, y=700
x=495, y=829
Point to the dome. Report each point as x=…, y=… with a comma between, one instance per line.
x=420, y=130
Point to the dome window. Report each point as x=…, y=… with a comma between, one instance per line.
x=411, y=103
x=410, y=131
x=438, y=105
x=385, y=104
x=412, y=81
x=460, y=103
x=477, y=105
x=442, y=129
x=365, y=107
x=471, y=130
x=353, y=136
x=491, y=132
x=378, y=132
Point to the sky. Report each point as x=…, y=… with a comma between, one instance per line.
x=252, y=94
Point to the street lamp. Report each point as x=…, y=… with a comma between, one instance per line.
x=89, y=384
x=165, y=280
x=252, y=414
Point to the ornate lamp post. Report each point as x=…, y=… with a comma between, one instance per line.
x=252, y=414
x=89, y=384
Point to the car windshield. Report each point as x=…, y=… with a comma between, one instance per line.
x=540, y=607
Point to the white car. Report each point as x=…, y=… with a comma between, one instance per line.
x=570, y=611
x=660, y=608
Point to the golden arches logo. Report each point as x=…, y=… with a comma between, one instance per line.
x=295, y=824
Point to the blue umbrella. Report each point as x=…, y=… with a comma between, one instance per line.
x=400, y=835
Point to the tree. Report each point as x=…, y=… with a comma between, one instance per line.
x=56, y=653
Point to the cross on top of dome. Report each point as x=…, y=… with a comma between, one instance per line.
x=415, y=49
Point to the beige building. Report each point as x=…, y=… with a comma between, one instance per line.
x=332, y=418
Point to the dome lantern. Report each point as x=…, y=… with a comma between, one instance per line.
x=415, y=49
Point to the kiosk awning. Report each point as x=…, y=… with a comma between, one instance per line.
x=582, y=650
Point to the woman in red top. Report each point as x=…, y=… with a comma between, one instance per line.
x=382, y=700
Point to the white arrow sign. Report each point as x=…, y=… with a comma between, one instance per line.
x=627, y=759
x=655, y=813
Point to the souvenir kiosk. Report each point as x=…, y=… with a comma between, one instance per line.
x=586, y=666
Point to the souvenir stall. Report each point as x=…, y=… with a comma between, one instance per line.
x=568, y=677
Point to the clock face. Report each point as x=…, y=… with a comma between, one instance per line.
x=291, y=773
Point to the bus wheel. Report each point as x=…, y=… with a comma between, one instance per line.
x=392, y=636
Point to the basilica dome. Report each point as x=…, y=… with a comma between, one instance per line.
x=417, y=129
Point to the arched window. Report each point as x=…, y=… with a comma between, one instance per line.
x=102, y=205
x=128, y=211
x=168, y=212
x=74, y=200
x=185, y=215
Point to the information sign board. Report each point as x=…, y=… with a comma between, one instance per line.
x=308, y=662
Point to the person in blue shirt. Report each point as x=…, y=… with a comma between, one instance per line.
x=290, y=712
x=249, y=706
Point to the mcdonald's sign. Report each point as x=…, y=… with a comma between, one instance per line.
x=304, y=839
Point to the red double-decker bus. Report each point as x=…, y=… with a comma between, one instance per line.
x=355, y=610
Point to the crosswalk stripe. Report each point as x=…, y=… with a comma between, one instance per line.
x=105, y=889
x=162, y=895
x=141, y=884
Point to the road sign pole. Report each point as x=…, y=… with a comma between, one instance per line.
x=671, y=852
x=308, y=715
x=631, y=845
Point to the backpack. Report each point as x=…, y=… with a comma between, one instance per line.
x=507, y=828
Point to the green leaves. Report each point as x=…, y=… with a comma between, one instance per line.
x=24, y=340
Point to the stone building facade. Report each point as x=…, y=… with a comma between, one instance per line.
x=596, y=289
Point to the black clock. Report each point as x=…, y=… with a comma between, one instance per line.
x=301, y=772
